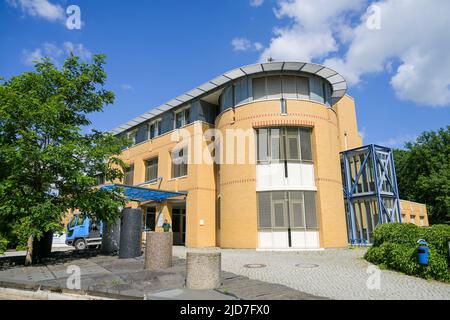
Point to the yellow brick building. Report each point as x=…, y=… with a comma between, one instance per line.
x=256, y=150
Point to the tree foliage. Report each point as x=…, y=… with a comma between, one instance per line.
x=423, y=173
x=47, y=164
x=395, y=247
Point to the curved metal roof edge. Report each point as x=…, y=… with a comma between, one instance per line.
x=337, y=82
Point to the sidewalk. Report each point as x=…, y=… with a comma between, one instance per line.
x=108, y=276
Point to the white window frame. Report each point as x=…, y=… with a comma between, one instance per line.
x=146, y=168
x=184, y=163
x=132, y=135
x=155, y=122
x=421, y=221
x=183, y=119
x=126, y=172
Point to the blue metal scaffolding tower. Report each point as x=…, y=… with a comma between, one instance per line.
x=370, y=191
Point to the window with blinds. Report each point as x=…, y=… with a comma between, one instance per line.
x=287, y=209
x=155, y=129
x=292, y=144
x=179, y=162
x=141, y=133
x=286, y=86
x=128, y=175
x=151, y=169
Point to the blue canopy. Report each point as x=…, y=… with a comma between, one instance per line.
x=143, y=194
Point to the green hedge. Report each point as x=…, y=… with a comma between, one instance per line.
x=395, y=247
x=3, y=244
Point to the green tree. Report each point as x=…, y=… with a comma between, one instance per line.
x=47, y=164
x=423, y=173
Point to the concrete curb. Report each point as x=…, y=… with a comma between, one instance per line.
x=35, y=287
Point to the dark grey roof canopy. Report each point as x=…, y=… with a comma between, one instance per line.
x=338, y=83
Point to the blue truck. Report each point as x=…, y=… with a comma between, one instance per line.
x=83, y=232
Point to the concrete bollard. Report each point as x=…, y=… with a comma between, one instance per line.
x=111, y=237
x=130, y=234
x=203, y=270
x=158, y=250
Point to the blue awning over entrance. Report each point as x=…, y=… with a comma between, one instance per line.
x=141, y=194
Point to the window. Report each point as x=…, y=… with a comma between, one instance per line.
x=263, y=147
x=151, y=169
x=241, y=90
x=226, y=98
x=324, y=92
x=73, y=222
x=283, y=106
x=289, y=87
x=80, y=220
x=273, y=87
x=292, y=144
x=101, y=179
x=129, y=175
x=276, y=148
x=422, y=221
x=412, y=219
x=182, y=118
x=179, y=162
x=155, y=129
x=287, y=209
x=131, y=135
x=286, y=86
x=303, y=88
x=305, y=144
x=150, y=219
x=142, y=133
x=259, y=88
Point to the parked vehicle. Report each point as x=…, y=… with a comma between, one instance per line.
x=83, y=232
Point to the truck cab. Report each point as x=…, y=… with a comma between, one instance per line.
x=83, y=232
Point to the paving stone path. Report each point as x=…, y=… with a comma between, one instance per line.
x=126, y=278
x=333, y=273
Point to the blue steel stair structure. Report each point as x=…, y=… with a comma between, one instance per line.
x=370, y=191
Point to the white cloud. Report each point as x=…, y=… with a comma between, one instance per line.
x=244, y=44
x=40, y=8
x=77, y=49
x=258, y=46
x=31, y=57
x=412, y=43
x=256, y=3
x=55, y=53
x=241, y=44
x=313, y=31
x=126, y=87
x=362, y=133
x=399, y=141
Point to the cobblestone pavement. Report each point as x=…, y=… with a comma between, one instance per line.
x=126, y=279
x=332, y=273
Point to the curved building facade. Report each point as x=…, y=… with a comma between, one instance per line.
x=256, y=150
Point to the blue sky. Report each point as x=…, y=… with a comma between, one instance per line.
x=157, y=50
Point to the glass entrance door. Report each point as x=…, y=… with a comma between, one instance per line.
x=179, y=224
